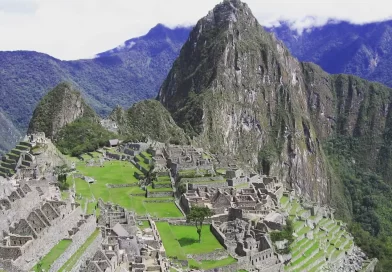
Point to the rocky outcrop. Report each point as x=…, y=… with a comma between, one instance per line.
x=59, y=107
x=148, y=119
x=238, y=91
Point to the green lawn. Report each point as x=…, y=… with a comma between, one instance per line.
x=163, y=179
x=182, y=240
x=165, y=209
x=147, y=155
x=169, y=240
x=119, y=172
x=75, y=257
x=53, y=255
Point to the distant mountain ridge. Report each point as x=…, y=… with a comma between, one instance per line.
x=121, y=76
x=343, y=47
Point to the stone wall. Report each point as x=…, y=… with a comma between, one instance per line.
x=122, y=185
x=8, y=266
x=159, y=194
x=20, y=209
x=215, y=255
x=228, y=268
x=159, y=185
x=88, y=253
x=218, y=234
x=194, y=186
x=78, y=240
x=47, y=239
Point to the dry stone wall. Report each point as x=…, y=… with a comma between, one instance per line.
x=19, y=209
x=88, y=253
x=48, y=238
x=78, y=240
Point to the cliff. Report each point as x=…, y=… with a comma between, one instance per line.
x=148, y=119
x=59, y=107
x=238, y=91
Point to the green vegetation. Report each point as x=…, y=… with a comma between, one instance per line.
x=285, y=234
x=81, y=136
x=132, y=198
x=52, y=107
x=75, y=257
x=181, y=240
x=149, y=118
x=52, y=256
x=368, y=198
x=197, y=215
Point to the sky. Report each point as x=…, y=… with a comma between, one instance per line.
x=74, y=29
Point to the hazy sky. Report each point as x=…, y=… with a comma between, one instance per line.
x=73, y=29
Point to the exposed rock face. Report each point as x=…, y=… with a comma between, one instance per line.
x=148, y=119
x=239, y=91
x=58, y=108
x=9, y=134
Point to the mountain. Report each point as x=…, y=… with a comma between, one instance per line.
x=9, y=134
x=121, y=76
x=237, y=90
x=58, y=108
x=342, y=47
x=66, y=119
x=148, y=119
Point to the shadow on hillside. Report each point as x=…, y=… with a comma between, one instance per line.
x=187, y=241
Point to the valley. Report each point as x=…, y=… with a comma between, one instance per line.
x=205, y=149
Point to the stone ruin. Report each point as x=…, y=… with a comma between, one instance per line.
x=32, y=221
x=185, y=158
x=125, y=244
x=249, y=244
x=257, y=201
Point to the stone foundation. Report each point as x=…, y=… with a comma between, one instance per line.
x=77, y=241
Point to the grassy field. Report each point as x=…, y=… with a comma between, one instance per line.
x=75, y=257
x=118, y=172
x=182, y=240
x=53, y=255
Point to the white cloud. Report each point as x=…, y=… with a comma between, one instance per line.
x=72, y=29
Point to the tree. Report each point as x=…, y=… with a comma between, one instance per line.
x=197, y=215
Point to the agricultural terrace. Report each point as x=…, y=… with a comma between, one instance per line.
x=182, y=240
x=115, y=173
x=76, y=256
x=52, y=256
x=330, y=239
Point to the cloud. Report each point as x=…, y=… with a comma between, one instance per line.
x=73, y=29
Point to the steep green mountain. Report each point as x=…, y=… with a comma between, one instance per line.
x=58, y=108
x=237, y=90
x=121, y=76
x=148, y=119
x=341, y=47
x=65, y=118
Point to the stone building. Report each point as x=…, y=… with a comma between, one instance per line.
x=125, y=245
x=32, y=221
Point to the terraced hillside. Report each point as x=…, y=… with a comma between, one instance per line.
x=10, y=161
x=319, y=241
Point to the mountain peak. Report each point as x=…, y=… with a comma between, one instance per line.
x=59, y=107
x=230, y=11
